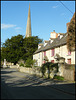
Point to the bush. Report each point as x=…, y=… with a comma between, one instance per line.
x=43, y=69
x=21, y=61
x=58, y=77
x=48, y=65
x=29, y=62
x=22, y=64
x=36, y=66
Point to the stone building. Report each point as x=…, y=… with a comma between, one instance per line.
x=57, y=44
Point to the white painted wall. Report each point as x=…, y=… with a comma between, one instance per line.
x=73, y=57
x=62, y=51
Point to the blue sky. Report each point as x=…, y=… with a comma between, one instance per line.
x=46, y=16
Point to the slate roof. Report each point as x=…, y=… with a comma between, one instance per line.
x=61, y=33
x=38, y=50
x=57, y=42
x=46, y=41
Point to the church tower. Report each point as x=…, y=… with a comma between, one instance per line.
x=28, y=27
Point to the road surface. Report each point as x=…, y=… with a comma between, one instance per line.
x=17, y=85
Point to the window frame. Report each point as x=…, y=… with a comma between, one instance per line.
x=44, y=53
x=69, y=60
x=52, y=61
x=69, y=52
x=52, y=52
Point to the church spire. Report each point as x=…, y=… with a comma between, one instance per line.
x=28, y=28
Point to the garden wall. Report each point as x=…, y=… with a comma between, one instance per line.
x=13, y=66
x=30, y=70
x=69, y=74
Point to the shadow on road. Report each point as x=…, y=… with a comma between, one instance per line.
x=32, y=87
x=5, y=71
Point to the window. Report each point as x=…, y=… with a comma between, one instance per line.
x=58, y=37
x=52, y=52
x=69, y=61
x=69, y=52
x=43, y=62
x=52, y=61
x=44, y=53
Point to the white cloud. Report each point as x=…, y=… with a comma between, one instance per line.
x=55, y=6
x=17, y=28
x=5, y=26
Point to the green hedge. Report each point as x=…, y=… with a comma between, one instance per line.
x=21, y=64
x=58, y=77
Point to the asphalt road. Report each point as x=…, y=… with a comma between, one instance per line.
x=17, y=85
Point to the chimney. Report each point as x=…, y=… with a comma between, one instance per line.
x=53, y=30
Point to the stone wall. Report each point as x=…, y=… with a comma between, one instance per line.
x=36, y=71
x=9, y=63
x=13, y=66
x=30, y=70
x=67, y=71
x=69, y=74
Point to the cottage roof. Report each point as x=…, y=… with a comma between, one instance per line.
x=38, y=50
x=40, y=44
x=46, y=41
x=57, y=42
x=61, y=33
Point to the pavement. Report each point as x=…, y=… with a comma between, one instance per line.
x=65, y=86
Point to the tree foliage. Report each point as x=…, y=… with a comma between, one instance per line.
x=29, y=62
x=30, y=44
x=18, y=48
x=71, y=34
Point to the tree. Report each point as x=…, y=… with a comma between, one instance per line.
x=45, y=58
x=18, y=48
x=29, y=62
x=31, y=44
x=12, y=49
x=71, y=34
x=48, y=65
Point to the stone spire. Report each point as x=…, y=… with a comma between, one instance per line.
x=28, y=28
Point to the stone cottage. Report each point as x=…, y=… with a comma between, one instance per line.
x=57, y=44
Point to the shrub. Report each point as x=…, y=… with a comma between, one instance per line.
x=58, y=77
x=36, y=66
x=43, y=69
x=21, y=61
x=45, y=58
x=48, y=65
x=29, y=62
x=21, y=64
